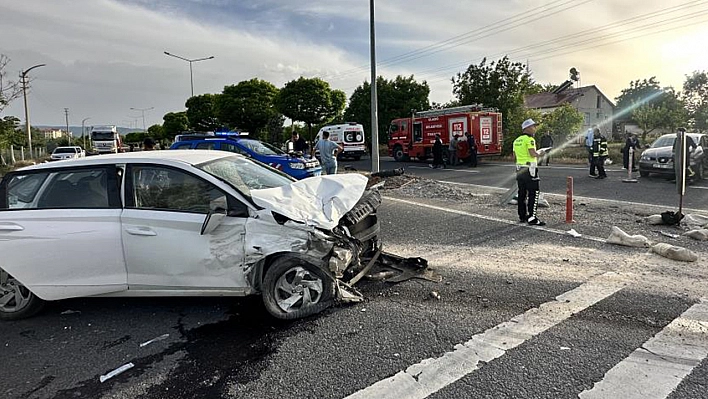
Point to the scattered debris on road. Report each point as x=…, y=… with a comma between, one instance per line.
x=674, y=252
x=160, y=338
x=699, y=234
x=115, y=372
x=619, y=237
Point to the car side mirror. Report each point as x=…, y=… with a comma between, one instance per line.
x=212, y=221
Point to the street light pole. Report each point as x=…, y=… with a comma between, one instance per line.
x=191, y=77
x=142, y=110
x=23, y=75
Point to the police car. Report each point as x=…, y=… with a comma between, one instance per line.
x=295, y=166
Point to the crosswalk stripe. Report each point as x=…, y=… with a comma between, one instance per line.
x=430, y=375
x=656, y=368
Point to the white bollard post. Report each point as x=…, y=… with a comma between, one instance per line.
x=12, y=154
x=629, y=178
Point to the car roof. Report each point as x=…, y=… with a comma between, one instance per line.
x=693, y=135
x=187, y=157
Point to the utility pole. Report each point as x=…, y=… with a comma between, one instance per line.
x=142, y=110
x=68, y=133
x=25, y=83
x=374, y=99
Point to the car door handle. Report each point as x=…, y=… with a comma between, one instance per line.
x=141, y=231
x=10, y=227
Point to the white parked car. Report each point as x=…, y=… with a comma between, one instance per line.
x=182, y=223
x=69, y=152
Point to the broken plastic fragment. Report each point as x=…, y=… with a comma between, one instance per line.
x=70, y=311
x=574, y=233
x=115, y=372
x=564, y=348
x=435, y=295
x=160, y=338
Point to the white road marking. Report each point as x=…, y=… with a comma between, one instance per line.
x=448, y=170
x=429, y=376
x=577, y=197
x=656, y=368
x=490, y=218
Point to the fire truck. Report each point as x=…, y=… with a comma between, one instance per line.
x=414, y=137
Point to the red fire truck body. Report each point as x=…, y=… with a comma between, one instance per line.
x=484, y=124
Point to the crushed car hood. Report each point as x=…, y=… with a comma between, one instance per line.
x=319, y=201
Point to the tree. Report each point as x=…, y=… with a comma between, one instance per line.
x=136, y=137
x=310, y=101
x=513, y=130
x=695, y=97
x=9, y=90
x=396, y=99
x=174, y=123
x=10, y=133
x=202, y=112
x=248, y=105
x=645, y=91
x=274, y=129
x=563, y=122
x=501, y=85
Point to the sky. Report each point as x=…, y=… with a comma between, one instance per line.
x=104, y=57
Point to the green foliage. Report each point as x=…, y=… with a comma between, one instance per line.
x=174, y=123
x=501, y=84
x=645, y=91
x=137, y=137
x=695, y=96
x=396, y=99
x=563, y=122
x=249, y=105
x=10, y=132
x=274, y=129
x=310, y=101
x=202, y=112
x=513, y=128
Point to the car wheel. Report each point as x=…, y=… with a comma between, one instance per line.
x=643, y=173
x=16, y=300
x=293, y=288
x=398, y=153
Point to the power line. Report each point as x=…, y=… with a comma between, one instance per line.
x=450, y=43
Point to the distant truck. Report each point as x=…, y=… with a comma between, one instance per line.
x=414, y=138
x=106, y=139
x=349, y=135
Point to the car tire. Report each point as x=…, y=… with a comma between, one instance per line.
x=24, y=303
x=398, y=154
x=294, y=288
x=643, y=173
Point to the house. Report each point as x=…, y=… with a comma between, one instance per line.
x=52, y=133
x=589, y=100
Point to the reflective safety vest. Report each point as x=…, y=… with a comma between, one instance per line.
x=599, y=147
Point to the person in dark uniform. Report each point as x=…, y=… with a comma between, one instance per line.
x=472, y=145
x=546, y=141
x=299, y=144
x=599, y=153
x=437, y=153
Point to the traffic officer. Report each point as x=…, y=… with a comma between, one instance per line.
x=527, y=173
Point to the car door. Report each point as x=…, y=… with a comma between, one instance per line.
x=164, y=248
x=60, y=232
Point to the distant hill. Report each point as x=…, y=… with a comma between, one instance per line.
x=76, y=130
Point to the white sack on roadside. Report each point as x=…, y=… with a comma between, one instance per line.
x=619, y=237
x=318, y=201
x=674, y=252
x=699, y=234
x=695, y=221
x=654, y=219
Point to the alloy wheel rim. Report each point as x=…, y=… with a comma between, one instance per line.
x=297, y=288
x=13, y=295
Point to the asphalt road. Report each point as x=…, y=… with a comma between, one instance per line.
x=655, y=190
x=483, y=338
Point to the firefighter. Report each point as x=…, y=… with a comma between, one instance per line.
x=599, y=153
x=438, y=153
x=527, y=178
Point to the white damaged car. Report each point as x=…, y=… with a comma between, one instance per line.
x=183, y=223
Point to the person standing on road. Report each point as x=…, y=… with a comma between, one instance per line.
x=546, y=142
x=588, y=146
x=472, y=144
x=599, y=153
x=527, y=178
x=328, y=153
x=632, y=143
x=452, y=150
x=299, y=144
x=437, y=153
x=148, y=144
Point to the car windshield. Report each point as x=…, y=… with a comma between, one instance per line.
x=102, y=135
x=259, y=147
x=244, y=175
x=65, y=150
x=664, y=141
